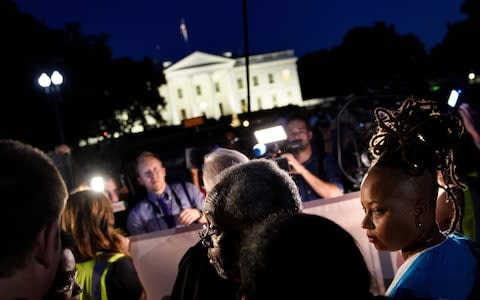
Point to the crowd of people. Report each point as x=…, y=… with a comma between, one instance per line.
x=256, y=242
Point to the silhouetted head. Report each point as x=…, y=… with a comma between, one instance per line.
x=33, y=197
x=302, y=257
x=246, y=194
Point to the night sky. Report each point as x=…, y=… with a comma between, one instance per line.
x=151, y=27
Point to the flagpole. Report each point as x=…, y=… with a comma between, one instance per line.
x=246, y=50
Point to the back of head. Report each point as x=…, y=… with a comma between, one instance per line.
x=89, y=218
x=33, y=195
x=247, y=193
x=217, y=161
x=302, y=257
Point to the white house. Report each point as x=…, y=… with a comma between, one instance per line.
x=203, y=84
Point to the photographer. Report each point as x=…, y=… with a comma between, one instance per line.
x=317, y=176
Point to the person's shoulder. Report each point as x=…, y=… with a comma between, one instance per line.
x=460, y=241
x=455, y=245
x=122, y=263
x=140, y=206
x=194, y=254
x=182, y=186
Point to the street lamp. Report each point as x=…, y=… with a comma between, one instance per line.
x=46, y=82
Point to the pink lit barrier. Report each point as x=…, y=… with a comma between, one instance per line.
x=156, y=255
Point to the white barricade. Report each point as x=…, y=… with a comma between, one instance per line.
x=156, y=255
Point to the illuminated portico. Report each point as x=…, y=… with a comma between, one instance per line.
x=209, y=85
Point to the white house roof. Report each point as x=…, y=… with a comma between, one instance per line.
x=266, y=57
x=199, y=59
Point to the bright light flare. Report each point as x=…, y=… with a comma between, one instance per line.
x=270, y=135
x=97, y=183
x=57, y=78
x=44, y=81
x=452, y=99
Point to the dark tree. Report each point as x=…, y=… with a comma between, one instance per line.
x=369, y=60
x=94, y=84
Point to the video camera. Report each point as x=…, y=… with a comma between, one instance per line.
x=272, y=142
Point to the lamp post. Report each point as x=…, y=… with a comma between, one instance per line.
x=51, y=84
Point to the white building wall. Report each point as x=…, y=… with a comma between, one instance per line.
x=280, y=89
x=230, y=98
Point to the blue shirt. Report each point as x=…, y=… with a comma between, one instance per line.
x=327, y=170
x=448, y=270
x=147, y=216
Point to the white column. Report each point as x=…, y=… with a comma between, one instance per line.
x=192, y=101
x=214, y=99
x=232, y=96
x=172, y=106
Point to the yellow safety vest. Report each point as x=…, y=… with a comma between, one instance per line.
x=468, y=221
x=92, y=273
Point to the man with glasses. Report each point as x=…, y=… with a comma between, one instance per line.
x=246, y=195
x=165, y=205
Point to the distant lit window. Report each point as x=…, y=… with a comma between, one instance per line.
x=286, y=75
x=217, y=87
x=240, y=83
x=255, y=80
x=270, y=78
x=243, y=105
x=179, y=93
x=259, y=102
x=199, y=90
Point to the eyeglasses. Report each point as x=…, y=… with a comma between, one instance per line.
x=206, y=235
x=67, y=282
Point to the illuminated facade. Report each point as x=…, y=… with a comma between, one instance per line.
x=209, y=85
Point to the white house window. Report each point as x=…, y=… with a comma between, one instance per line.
x=217, y=87
x=243, y=105
x=198, y=88
x=259, y=102
x=179, y=93
x=274, y=100
x=240, y=83
x=255, y=80
x=286, y=75
x=270, y=78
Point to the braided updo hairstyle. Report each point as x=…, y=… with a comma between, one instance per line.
x=419, y=138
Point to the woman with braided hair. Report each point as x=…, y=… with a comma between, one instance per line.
x=411, y=146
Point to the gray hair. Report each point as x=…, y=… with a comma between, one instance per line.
x=252, y=191
x=217, y=161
